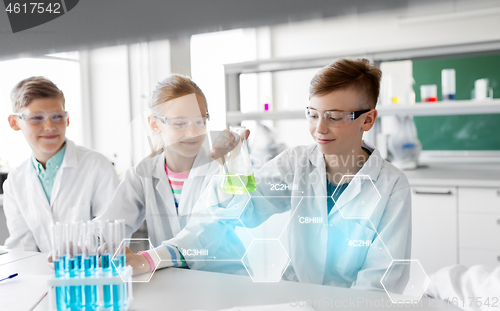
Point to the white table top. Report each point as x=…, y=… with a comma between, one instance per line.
x=14, y=255
x=456, y=175
x=184, y=289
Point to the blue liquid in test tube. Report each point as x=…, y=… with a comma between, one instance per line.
x=119, y=264
x=58, y=264
x=63, y=270
x=123, y=265
x=79, y=289
x=59, y=272
x=90, y=265
x=87, y=264
x=75, y=266
x=65, y=257
x=72, y=289
x=116, y=288
x=122, y=256
x=95, y=263
x=106, y=289
x=106, y=262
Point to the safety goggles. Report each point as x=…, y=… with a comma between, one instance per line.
x=40, y=117
x=333, y=118
x=182, y=123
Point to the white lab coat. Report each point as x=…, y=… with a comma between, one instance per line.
x=476, y=288
x=315, y=258
x=145, y=194
x=83, y=187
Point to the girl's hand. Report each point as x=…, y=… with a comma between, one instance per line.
x=224, y=143
x=49, y=260
x=139, y=262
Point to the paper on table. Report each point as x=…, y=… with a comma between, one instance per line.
x=280, y=307
x=23, y=292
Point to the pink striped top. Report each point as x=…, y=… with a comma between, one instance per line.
x=176, y=181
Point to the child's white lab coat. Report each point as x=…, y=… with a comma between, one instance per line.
x=315, y=257
x=476, y=288
x=83, y=187
x=145, y=194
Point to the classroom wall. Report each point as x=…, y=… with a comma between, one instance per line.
x=208, y=54
x=383, y=30
x=110, y=104
x=120, y=80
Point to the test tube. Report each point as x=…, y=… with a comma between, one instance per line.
x=90, y=264
x=57, y=248
x=119, y=262
x=65, y=257
x=75, y=266
x=105, y=262
x=120, y=226
x=66, y=247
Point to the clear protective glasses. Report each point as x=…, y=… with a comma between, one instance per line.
x=41, y=116
x=183, y=123
x=333, y=118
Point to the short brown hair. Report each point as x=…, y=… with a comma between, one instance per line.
x=34, y=88
x=348, y=73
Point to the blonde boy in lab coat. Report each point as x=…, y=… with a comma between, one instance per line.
x=59, y=181
x=341, y=108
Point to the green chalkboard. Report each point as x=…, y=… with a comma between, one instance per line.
x=464, y=132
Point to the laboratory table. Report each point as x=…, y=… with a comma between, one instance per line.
x=455, y=175
x=184, y=289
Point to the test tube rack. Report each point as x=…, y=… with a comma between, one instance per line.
x=99, y=279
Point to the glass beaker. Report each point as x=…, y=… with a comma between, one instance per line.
x=237, y=167
x=428, y=93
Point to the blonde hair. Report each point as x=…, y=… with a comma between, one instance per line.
x=346, y=73
x=34, y=88
x=172, y=87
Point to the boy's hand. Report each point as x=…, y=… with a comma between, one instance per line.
x=225, y=143
x=139, y=262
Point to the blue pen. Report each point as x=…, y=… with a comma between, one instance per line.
x=10, y=277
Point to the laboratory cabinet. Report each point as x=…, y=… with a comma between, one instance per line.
x=434, y=230
x=455, y=225
x=479, y=226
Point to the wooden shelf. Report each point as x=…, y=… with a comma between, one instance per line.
x=458, y=107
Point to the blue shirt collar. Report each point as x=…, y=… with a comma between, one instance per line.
x=52, y=164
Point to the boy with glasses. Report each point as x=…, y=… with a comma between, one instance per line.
x=60, y=181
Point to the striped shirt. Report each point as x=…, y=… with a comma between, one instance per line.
x=176, y=181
